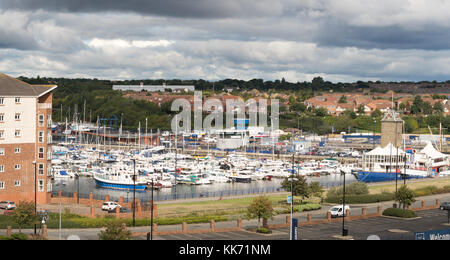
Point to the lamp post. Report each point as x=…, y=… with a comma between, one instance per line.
x=134, y=194
x=292, y=195
x=344, y=231
x=151, y=224
x=35, y=195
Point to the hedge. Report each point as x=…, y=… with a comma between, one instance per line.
x=396, y=212
x=360, y=199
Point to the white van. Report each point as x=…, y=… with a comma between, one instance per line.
x=337, y=211
x=110, y=205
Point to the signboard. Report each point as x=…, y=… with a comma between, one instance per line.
x=289, y=199
x=294, y=231
x=433, y=235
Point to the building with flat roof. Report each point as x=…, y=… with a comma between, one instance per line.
x=154, y=88
x=25, y=140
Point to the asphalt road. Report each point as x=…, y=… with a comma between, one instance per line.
x=384, y=227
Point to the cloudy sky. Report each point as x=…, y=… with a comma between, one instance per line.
x=340, y=40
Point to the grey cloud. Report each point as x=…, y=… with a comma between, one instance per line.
x=175, y=8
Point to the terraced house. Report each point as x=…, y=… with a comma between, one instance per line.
x=25, y=140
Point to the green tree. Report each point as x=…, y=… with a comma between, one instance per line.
x=411, y=125
x=261, y=208
x=321, y=112
x=405, y=196
x=416, y=107
x=376, y=113
x=24, y=214
x=299, y=184
x=316, y=190
x=343, y=100
x=427, y=109
x=438, y=108
x=115, y=231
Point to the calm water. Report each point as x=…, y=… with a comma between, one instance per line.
x=181, y=191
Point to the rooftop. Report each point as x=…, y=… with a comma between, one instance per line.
x=10, y=86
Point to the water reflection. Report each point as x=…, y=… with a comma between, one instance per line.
x=181, y=191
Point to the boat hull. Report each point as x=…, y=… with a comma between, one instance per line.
x=118, y=186
x=368, y=177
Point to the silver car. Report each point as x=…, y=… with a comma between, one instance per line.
x=8, y=205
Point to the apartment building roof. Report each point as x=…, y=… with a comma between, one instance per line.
x=10, y=86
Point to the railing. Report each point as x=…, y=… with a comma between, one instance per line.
x=146, y=197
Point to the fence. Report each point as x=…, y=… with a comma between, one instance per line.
x=146, y=197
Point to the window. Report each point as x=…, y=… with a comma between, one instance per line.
x=2, y=118
x=2, y=133
x=49, y=120
x=41, y=120
x=2, y=168
x=41, y=169
x=17, y=183
x=41, y=137
x=41, y=153
x=2, y=185
x=2, y=151
x=17, y=100
x=17, y=150
x=2, y=101
x=40, y=185
x=49, y=153
x=17, y=167
x=17, y=117
x=49, y=169
x=49, y=137
x=17, y=133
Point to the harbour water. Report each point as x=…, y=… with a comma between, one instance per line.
x=84, y=186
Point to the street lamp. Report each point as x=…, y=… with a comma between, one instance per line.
x=134, y=194
x=344, y=231
x=35, y=194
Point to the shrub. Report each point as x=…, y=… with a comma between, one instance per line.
x=19, y=236
x=401, y=213
x=356, y=188
x=264, y=230
x=114, y=231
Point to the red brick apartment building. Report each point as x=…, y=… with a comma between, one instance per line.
x=25, y=140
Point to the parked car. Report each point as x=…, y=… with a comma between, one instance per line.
x=110, y=205
x=445, y=206
x=121, y=210
x=8, y=205
x=337, y=211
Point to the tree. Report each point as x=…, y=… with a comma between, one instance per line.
x=316, y=190
x=405, y=196
x=411, y=125
x=438, y=108
x=361, y=109
x=24, y=214
x=321, y=112
x=261, y=208
x=376, y=113
x=299, y=184
x=416, y=107
x=343, y=100
x=115, y=231
x=427, y=109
